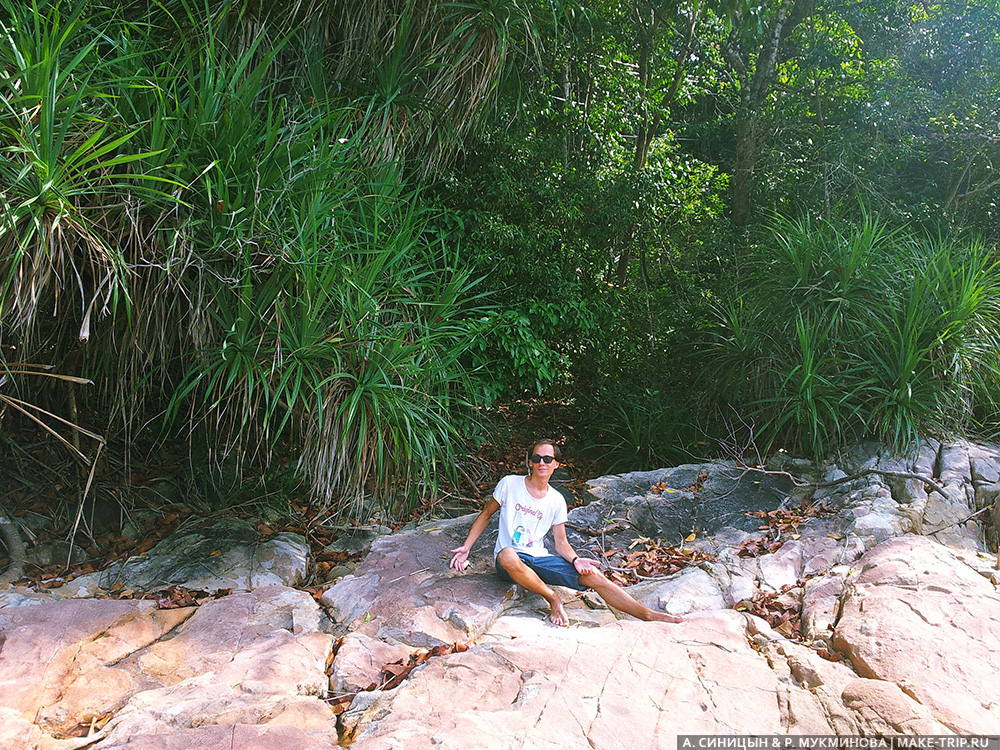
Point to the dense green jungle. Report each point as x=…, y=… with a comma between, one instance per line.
x=346, y=255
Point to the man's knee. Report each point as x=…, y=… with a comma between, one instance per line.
x=509, y=559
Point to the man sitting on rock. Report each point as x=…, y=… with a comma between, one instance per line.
x=529, y=507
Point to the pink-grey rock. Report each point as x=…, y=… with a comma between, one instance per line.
x=808, y=555
x=916, y=615
x=228, y=738
x=359, y=661
x=526, y=679
x=950, y=520
x=690, y=590
x=247, y=659
x=47, y=649
x=886, y=709
x=821, y=604
x=624, y=685
x=404, y=592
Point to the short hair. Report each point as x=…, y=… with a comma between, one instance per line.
x=556, y=450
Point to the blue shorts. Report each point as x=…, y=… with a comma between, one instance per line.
x=552, y=569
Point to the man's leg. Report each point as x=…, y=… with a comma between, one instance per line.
x=522, y=575
x=617, y=597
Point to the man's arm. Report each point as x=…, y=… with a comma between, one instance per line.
x=461, y=554
x=565, y=550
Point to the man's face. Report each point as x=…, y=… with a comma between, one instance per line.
x=538, y=467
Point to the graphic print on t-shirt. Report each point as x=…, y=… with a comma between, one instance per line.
x=519, y=535
x=527, y=520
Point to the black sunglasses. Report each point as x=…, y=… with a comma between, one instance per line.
x=535, y=458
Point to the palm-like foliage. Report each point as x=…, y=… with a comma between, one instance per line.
x=863, y=331
x=238, y=230
x=63, y=165
x=423, y=70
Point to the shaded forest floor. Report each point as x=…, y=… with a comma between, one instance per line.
x=137, y=500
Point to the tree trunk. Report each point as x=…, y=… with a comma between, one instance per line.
x=15, y=550
x=756, y=87
x=747, y=150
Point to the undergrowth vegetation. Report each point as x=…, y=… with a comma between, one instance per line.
x=845, y=332
x=318, y=244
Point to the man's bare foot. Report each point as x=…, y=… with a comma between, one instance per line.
x=558, y=615
x=664, y=617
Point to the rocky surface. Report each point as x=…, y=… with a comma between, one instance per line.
x=246, y=665
x=527, y=684
x=631, y=684
x=915, y=614
x=669, y=504
x=894, y=597
x=886, y=506
x=403, y=592
x=228, y=554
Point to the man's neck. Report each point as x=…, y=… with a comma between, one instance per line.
x=538, y=484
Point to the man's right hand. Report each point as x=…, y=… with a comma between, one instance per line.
x=460, y=561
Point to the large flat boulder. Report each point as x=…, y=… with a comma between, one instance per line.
x=622, y=685
x=404, y=592
x=669, y=504
x=226, y=738
x=69, y=648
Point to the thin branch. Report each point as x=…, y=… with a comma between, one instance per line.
x=959, y=523
x=83, y=500
x=599, y=532
x=929, y=481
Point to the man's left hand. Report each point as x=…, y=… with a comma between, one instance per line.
x=584, y=566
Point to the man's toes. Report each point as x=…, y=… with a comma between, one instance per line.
x=557, y=615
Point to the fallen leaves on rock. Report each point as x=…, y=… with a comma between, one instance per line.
x=782, y=610
x=785, y=520
x=778, y=524
x=653, y=560
x=699, y=482
x=660, y=487
x=393, y=674
x=316, y=592
x=173, y=597
x=757, y=546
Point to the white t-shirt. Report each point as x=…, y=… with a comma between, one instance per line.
x=525, y=520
